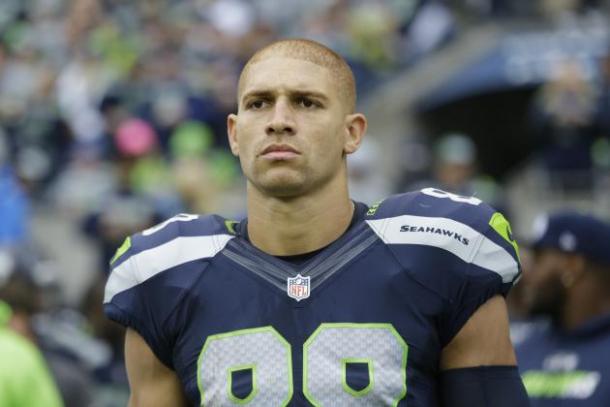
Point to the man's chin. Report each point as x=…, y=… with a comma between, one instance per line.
x=284, y=192
x=283, y=189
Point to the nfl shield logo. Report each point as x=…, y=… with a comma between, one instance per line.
x=298, y=287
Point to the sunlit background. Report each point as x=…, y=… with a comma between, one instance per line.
x=113, y=117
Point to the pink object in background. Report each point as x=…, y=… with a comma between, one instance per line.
x=135, y=137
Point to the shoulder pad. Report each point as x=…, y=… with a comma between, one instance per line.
x=464, y=226
x=176, y=241
x=432, y=202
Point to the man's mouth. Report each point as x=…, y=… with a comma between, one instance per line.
x=279, y=152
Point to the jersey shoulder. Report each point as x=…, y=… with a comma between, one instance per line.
x=472, y=232
x=457, y=247
x=434, y=203
x=176, y=241
x=156, y=269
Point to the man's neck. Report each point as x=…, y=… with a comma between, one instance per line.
x=285, y=227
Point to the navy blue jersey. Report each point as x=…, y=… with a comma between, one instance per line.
x=361, y=322
x=565, y=369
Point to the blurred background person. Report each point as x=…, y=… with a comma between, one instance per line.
x=455, y=169
x=140, y=194
x=25, y=377
x=564, y=356
x=14, y=205
x=75, y=344
x=601, y=146
x=564, y=122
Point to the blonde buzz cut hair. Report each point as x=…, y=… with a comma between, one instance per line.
x=314, y=52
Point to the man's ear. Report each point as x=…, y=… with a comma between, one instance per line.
x=355, y=127
x=232, y=133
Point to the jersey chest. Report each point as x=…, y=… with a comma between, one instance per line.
x=358, y=339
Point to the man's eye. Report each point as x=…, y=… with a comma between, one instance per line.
x=306, y=103
x=256, y=104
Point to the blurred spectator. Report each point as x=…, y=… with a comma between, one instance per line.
x=603, y=108
x=564, y=359
x=366, y=183
x=109, y=369
x=14, y=204
x=24, y=376
x=601, y=147
x=143, y=169
x=431, y=26
x=200, y=173
x=455, y=170
x=558, y=10
x=563, y=121
x=373, y=31
x=25, y=379
x=500, y=8
x=77, y=352
x=141, y=195
x=84, y=181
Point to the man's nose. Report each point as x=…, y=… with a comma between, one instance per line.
x=281, y=120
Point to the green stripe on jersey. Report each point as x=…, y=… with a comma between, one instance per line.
x=230, y=225
x=121, y=250
x=501, y=225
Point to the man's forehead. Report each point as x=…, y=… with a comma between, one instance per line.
x=285, y=72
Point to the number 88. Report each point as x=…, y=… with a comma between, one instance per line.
x=326, y=355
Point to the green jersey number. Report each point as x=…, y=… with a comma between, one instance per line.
x=326, y=356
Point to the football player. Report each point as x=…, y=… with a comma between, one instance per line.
x=564, y=356
x=316, y=300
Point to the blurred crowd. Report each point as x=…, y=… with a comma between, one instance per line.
x=103, y=103
x=113, y=116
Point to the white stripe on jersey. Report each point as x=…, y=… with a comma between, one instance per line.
x=448, y=234
x=148, y=263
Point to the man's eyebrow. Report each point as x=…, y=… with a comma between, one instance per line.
x=268, y=94
x=265, y=94
x=309, y=93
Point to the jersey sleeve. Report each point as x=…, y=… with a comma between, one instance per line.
x=153, y=271
x=458, y=248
